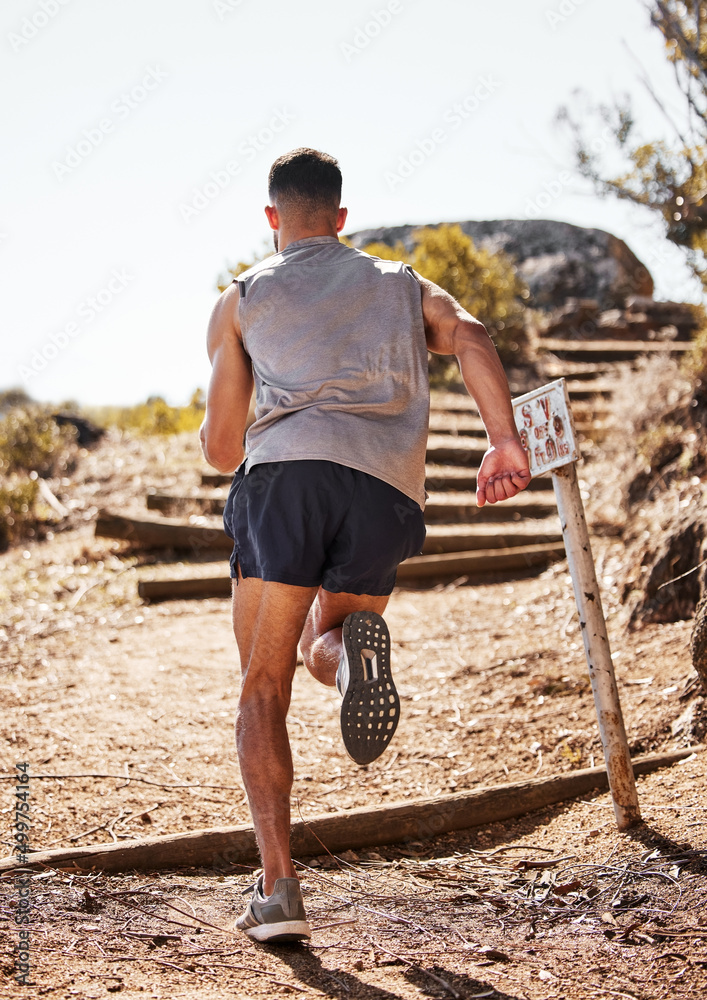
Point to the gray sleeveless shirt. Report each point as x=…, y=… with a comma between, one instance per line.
x=337, y=343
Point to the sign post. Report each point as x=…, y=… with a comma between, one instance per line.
x=544, y=421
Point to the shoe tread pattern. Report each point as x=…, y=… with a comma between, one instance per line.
x=370, y=709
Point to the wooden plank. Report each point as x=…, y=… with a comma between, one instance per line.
x=164, y=534
x=216, y=478
x=149, y=534
x=438, y=477
x=459, y=506
x=168, y=503
x=184, y=590
x=444, y=448
x=456, y=507
x=419, y=567
x=443, y=478
x=351, y=829
x=461, y=425
x=481, y=561
x=605, y=350
x=472, y=537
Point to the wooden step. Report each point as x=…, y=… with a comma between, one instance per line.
x=453, y=422
x=443, y=404
x=581, y=369
x=452, y=508
x=165, y=534
x=211, y=539
x=467, y=425
x=176, y=506
x=480, y=562
x=612, y=350
x=580, y=389
x=216, y=478
x=451, y=564
x=443, y=449
x=471, y=537
x=440, y=478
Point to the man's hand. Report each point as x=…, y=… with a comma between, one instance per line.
x=504, y=472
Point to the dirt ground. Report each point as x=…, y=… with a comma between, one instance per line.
x=124, y=713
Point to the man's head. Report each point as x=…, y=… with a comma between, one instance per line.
x=304, y=186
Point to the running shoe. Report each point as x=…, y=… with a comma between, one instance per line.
x=370, y=708
x=277, y=917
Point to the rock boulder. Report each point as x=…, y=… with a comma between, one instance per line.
x=557, y=261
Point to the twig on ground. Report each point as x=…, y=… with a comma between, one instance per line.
x=121, y=777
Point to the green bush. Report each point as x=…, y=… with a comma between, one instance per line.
x=154, y=416
x=17, y=510
x=31, y=441
x=695, y=362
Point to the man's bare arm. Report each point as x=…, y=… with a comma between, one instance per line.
x=230, y=386
x=450, y=329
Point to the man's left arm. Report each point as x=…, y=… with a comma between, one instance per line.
x=449, y=329
x=230, y=386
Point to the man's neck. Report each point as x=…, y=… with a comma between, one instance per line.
x=286, y=236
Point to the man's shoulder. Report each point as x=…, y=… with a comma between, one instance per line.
x=263, y=265
x=383, y=264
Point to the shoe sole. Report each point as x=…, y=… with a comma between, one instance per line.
x=370, y=709
x=286, y=930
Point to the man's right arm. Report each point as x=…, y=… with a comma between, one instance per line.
x=450, y=329
x=230, y=386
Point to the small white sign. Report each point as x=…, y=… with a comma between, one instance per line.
x=544, y=421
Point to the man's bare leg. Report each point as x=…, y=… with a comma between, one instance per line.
x=321, y=643
x=267, y=620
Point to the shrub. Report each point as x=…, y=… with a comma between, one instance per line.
x=155, y=416
x=695, y=363
x=17, y=510
x=31, y=441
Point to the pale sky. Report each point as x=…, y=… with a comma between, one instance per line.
x=138, y=135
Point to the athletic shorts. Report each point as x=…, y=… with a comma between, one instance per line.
x=316, y=523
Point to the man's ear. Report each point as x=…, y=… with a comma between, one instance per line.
x=273, y=217
x=340, y=219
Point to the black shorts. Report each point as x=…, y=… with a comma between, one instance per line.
x=316, y=523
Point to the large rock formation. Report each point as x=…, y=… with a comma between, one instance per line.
x=557, y=261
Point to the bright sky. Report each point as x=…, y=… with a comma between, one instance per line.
x=138, y=136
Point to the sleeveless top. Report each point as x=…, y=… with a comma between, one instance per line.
x=337, y=343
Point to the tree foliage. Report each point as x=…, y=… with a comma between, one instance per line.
x=154, y=417
x=670, y=179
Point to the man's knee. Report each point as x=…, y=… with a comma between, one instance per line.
x=267, y=693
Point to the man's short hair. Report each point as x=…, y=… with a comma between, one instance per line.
x=305, y=180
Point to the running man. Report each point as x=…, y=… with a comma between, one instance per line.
x=329, y=493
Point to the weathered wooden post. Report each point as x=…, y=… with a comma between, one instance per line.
x=544, y=421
